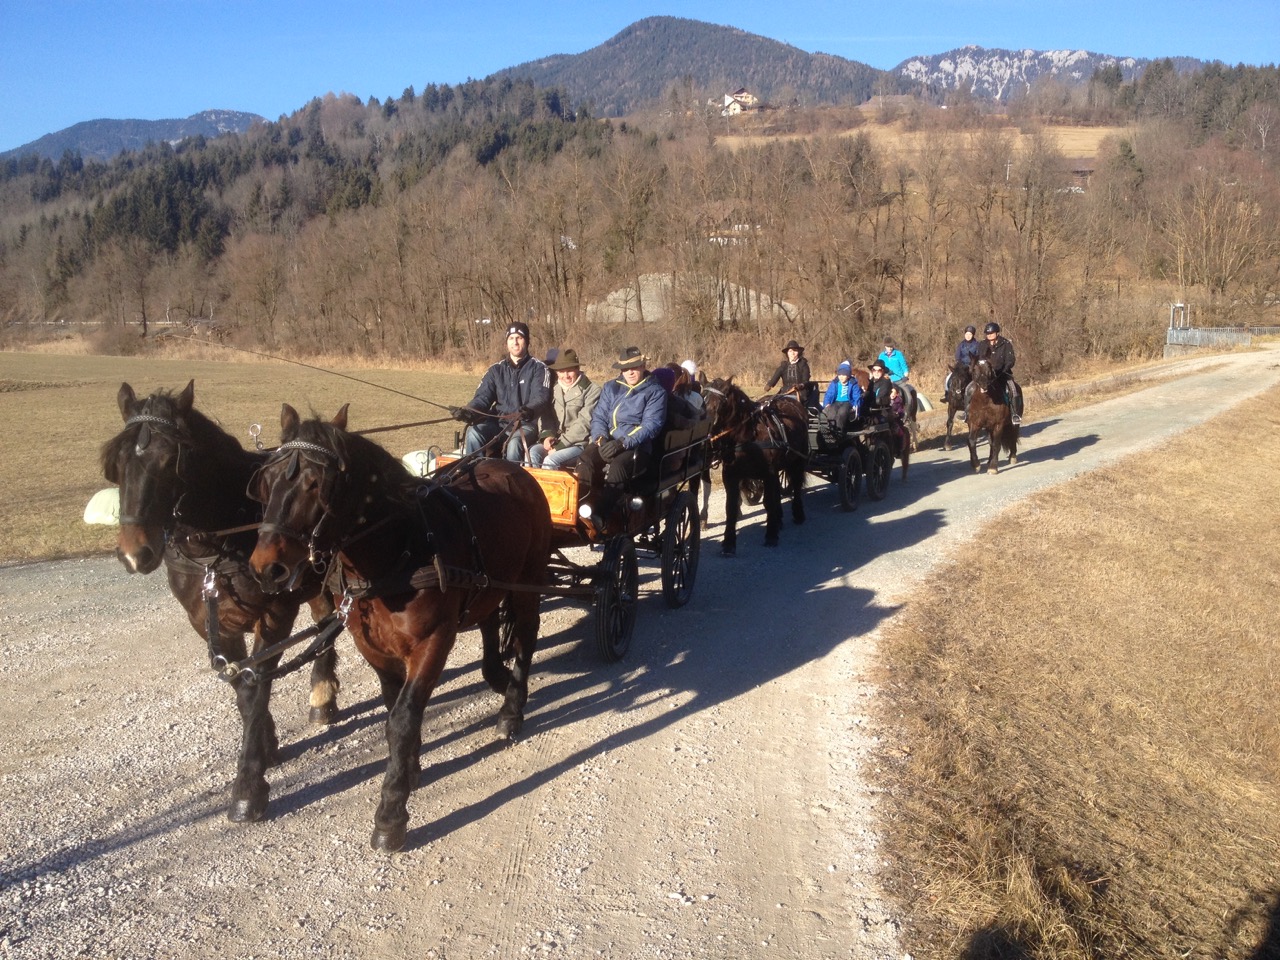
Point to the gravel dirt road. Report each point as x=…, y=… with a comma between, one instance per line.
x=712, y=796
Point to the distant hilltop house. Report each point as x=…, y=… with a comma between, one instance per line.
x=738, y=101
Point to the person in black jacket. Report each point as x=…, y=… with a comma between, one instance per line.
x=513, y=394
x=793, y=374
x=998, y=351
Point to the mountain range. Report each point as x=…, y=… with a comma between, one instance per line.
x=676, y=59
x=103, y=139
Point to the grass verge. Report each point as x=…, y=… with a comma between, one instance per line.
x=1085, y=754
x=59, y=409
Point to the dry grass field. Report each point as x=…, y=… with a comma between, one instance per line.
x=1085, y=755
x=58, y=410
x=1072, y=141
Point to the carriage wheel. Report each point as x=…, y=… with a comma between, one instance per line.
x=681, y=544
x=878, y=470
x=849, y=478
x=616, y=595
x=752, y=491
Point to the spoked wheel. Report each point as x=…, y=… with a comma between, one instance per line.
x=681, y=544
x=616, y=595
x=878, y=470
x=849, y=478
x=752, y=491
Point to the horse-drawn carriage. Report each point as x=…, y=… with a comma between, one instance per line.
x=865, y=448
x=656, y=516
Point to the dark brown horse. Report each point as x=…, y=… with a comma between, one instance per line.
x=417, y=560
x=757, y=441
x=182, y=486
x=956, y=386
x=988, y=411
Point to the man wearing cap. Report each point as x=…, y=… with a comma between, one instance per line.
x=793, y=373
x=630, y=414
x=514, y=392
x=568, y=428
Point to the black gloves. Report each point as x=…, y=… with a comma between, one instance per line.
x=464, y=414
x=610, y=448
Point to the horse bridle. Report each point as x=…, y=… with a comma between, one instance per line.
x=327, y=459
x=170, y=429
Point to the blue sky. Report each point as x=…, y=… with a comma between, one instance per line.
x=64, y=61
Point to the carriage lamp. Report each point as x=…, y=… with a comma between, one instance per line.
x=636, y=504
x=584, y=511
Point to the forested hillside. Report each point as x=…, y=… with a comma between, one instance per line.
x=681, y=61
x=397, y=227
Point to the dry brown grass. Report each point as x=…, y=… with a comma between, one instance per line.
x=60, y=407
x=1072, y=141
x=1085, y=751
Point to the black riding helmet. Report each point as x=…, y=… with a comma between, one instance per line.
x=991, y=328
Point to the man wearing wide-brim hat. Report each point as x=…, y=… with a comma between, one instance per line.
x=513, y=394
x=631, y=413
x=568, y=428
x=793, y=373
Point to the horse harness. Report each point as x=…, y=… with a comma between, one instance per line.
x=419, y=565
x=220, y=551
x=774, y=427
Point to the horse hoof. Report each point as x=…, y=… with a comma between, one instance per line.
x=247, y=810
x=509, y=727
x=1012, y=461
x=771, y=542
x=322, y=716
x=388, y=841
x=992, y=470
x=728, y=552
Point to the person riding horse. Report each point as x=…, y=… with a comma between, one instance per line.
x=967, y=351
x=998, y=352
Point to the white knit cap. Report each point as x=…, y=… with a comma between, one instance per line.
x=690, y=367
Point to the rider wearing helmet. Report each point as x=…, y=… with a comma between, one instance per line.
x=998, y=351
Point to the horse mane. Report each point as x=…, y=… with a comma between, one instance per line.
x=362, y=456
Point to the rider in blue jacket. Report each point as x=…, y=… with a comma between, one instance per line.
x=894, y=362
x=967, y=351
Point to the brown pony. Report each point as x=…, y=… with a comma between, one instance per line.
x=416, y=561
x=757, y=441
x=956, y=387
x=988, y=411
x=182, y=486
